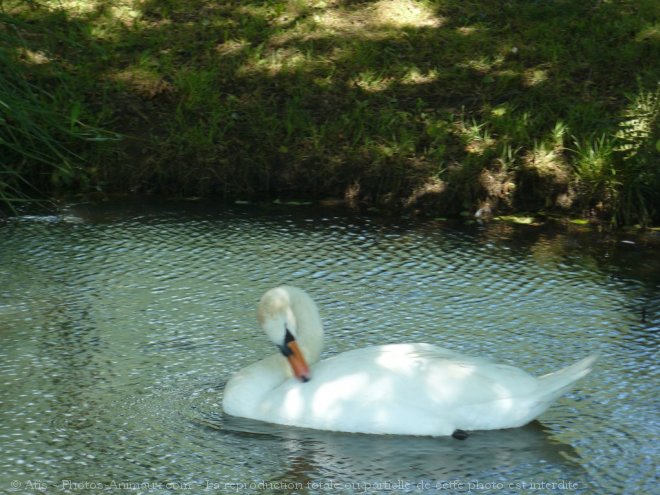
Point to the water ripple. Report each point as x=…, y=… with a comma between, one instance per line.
x=120, y=328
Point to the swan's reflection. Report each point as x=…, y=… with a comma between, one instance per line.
x=315, y=454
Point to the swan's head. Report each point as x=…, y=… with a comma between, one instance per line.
x=278, y=317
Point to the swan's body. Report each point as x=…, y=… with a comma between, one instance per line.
x=409, y=389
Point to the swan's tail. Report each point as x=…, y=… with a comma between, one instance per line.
x=553, y=385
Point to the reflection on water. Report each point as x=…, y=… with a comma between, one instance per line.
x=403, y=457
x=120, y=325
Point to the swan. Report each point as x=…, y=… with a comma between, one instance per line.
x=405, y=389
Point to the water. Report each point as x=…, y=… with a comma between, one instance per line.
x=120, y=325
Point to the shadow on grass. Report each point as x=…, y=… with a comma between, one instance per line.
x=439, y=105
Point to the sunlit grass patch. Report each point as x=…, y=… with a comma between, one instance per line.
x=415, y=76
x=372, y=82
x=579, y=221
x=535, y=76
x=650, y=34
x=483, y=64
x=232, y=47
x=143, y=81
x=405, y=13
x=518, y=219
x=124, y=10
x=372, y=19
x=476, y=136
x=33, y=57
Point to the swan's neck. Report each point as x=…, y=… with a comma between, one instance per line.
x=310, y=328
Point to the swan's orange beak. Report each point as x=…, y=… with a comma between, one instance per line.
x=297, y=361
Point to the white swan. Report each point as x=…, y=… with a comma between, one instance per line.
x=408, y=389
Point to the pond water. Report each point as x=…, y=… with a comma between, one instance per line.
x=120, y=325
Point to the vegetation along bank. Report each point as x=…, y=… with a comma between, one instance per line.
x=436, y=106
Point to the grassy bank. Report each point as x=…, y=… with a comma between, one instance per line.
x=440, y=106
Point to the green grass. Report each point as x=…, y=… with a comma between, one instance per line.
x=442, y=106
x=41, y=123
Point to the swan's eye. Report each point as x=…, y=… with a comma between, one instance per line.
x=288, y=338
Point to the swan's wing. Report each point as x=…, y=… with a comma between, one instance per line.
x=459, y=390
x=421, y=374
